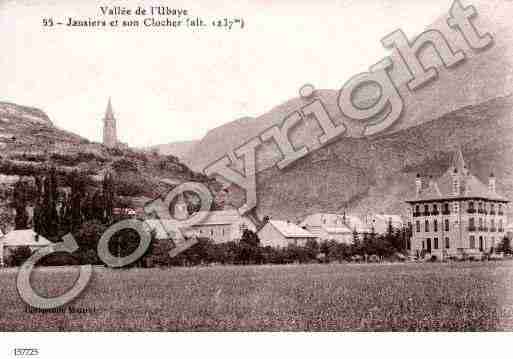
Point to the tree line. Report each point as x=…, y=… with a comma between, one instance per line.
x=61, y=204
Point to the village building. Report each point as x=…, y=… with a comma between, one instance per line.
x=222, y=226
x=20, y=238
x=381, y=222
x=457, y=215
x=218, y=226
x=329, y=227
x=280, y=234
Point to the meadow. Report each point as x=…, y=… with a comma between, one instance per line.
x=467, y=296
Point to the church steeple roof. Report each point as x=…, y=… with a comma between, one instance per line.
x=109, y=113
x=458, y=163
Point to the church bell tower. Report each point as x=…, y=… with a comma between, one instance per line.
x=110, y=138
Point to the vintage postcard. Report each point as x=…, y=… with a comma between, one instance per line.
x=256, y=166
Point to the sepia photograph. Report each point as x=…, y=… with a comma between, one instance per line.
x=255, y=167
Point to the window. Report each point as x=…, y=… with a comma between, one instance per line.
x=472, y=242
x=471, y=224
x=446, y=208
x=417, y=208
x=426, y=226
x=455, y=207
x=435, y=242
x=417, y=224
x=480, y=223
x=435, y=225
x=423, y=245
x=447, y=225
x=426, y=209
x=447, y=243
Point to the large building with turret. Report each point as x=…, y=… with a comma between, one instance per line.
x=456, y=215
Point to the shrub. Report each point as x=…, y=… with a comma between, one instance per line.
x=64, y=159
x=129, y=187
x=19, y=255
x=89, y=156
x=59, y=259
x=124, y=165
x=114, y=152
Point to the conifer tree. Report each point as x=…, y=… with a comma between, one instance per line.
x=77, y=192
x=20, y=205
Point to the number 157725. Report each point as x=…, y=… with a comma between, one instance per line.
x=26, y=352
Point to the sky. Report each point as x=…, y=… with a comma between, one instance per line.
x=171, y=85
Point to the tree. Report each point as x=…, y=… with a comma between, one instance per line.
x=19, y=255
x=250, y=238
x=6, y=219
x=108, y=197
x=89, y=233
x=312, y=249
x=46, y=216
x=20, y=205
x=75, y=202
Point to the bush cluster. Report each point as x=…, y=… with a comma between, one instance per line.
x=124, y=165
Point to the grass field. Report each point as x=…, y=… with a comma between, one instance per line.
x=438, y=296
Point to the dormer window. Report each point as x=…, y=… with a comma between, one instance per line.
x=455, y=186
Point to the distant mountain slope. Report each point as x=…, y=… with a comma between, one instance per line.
x=485, y=75
x=377, y=175
x=178, y=149
x=29, y=143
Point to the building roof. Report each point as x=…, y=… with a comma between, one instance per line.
x=109, y=113
x=396, y=219
x=227, y=217
x=290, y=230
x=333, y=220
x=230, y=216
x=24, y=237
x=469, y=185
x=338, y=230
x=324, y=220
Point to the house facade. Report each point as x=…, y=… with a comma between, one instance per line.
x=457, y=215
x=218, y=226
x=329, y=227
x=281, y=234
x=222, y=226
x=20, y=238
